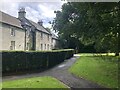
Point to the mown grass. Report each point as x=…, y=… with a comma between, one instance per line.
x=37, y=82
x=99, y=69
x=97, y=54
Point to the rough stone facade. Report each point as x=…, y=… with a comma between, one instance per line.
x=43, y=41
x=7, y=38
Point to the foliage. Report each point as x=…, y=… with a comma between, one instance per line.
x=16, y=61
x=90, y=23
x=36, y=82
x=103, y=71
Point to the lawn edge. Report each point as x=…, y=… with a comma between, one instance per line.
x=62, y=82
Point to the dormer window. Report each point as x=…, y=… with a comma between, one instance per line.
x=12, y=32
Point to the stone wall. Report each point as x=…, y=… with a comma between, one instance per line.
x=6, y=39
x=43, y=42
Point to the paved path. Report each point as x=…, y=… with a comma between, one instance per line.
x=61, y=73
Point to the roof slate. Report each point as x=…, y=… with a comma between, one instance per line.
x=40, y=28
x=8, y=19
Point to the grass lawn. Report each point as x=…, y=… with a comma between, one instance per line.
x=97, y=54
x=102, y=70
x=37, y=82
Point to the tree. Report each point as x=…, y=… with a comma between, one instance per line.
x=90, y=23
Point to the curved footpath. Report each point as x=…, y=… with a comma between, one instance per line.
x=61, y=73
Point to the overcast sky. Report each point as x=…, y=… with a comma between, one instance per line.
x=34, y=10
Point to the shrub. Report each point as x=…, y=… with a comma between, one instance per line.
x=15, y=61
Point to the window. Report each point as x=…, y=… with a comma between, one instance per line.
x=41, y=35
x=41, y=46
x=28, y=46
x=48, y=47
x=45, y=46
x=12, y=32
x=12, y=47
x=48, y=37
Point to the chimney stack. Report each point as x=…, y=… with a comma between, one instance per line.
x=40, y=22
x=21, y=13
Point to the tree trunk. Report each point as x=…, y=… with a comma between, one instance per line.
x=117, y=54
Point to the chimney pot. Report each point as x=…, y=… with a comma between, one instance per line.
x=40, y=22
x=21, y=13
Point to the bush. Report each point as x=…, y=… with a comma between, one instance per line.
x=15, y=61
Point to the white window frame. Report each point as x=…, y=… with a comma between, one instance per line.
x=12, y=47
x=12, y=32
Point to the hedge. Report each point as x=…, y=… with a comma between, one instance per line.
x=15, y=61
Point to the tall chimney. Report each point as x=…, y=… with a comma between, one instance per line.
x=40, y=22
x=21, y=13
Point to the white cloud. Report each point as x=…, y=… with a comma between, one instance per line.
x=34, y=10
x=46, y=12
x=32, y=14
x=10, y=8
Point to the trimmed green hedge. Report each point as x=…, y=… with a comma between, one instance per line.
x=15, y=61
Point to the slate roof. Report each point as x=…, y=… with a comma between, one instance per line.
x=8, y=19
x=40, y=28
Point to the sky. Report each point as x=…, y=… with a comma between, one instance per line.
x=35, y=11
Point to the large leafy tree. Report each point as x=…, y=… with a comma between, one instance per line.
x=89, y=23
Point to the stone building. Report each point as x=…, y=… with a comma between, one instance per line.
x=12, y=34
x=55, y=42
x=23, y=34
